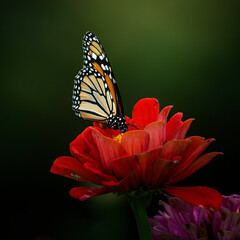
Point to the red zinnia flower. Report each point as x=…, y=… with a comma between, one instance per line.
x=153, y=157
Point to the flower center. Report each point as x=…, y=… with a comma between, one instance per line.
x=118, y=138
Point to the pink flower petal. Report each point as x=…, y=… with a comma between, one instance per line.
x=135, y=142
x=203, y=197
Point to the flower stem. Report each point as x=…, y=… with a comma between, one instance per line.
x=139, y=203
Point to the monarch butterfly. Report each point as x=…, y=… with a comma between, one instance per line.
x=95, y=93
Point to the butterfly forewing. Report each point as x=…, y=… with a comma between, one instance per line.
x=95, y=94
x=95, y=57
x=92, y=99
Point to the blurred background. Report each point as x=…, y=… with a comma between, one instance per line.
x=184, y=53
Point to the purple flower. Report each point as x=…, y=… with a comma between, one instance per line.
x=226, y=221
x=181, y=220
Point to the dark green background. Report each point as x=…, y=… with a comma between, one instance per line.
x=184, y=53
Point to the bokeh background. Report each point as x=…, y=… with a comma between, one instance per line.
x=184, y=53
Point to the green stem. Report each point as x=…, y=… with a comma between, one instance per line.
x=139, y=203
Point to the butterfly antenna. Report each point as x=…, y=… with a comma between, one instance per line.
x=135, y=126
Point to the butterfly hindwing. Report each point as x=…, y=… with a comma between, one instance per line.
x=92, y=98
x=95, y=57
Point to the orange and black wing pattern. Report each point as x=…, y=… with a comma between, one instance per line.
x=92, y=98
x=95, y=57
x=95, y=93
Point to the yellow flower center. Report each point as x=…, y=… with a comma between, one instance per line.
x=118, y=138
x=237, y=211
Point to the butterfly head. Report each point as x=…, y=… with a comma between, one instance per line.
x=117, y=122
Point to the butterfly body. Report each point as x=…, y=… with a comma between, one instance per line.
x=117, y=122
x=95, y=93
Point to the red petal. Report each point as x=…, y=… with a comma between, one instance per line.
x=162, y=117
x=109, y=149
x=96, y=124
x=161, y=169
x=152, y=167
x=203, y=197
x=88, y=139
x=174, y=148
x=157, y=131
x=173, y=124
x=79, y=149
x=127, y=119
x=145, y=111
x=182, y=131
x=135, y=142
x=84, y=193
x=72, y=168
x=145, y=161
x=106, y=131
x=197, y=146
x=194, y=166
x=76, y=146
x=127, y=167
x=109, y=180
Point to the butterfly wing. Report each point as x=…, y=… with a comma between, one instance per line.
x=92, y=98
x=95, y=57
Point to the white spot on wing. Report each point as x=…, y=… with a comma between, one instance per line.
x=103, y=67
x=94, y=56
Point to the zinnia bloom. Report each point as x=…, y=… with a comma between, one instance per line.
x=181, y=220
x=226, y=221
x=153, y=154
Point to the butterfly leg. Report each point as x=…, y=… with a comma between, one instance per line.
x=118, y=125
